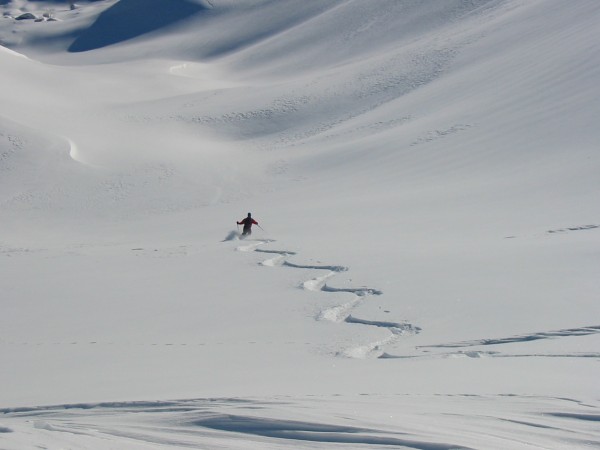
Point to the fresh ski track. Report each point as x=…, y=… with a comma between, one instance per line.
x=570, y=332
x=343, y=313
x=339, y=313
x=581, y=331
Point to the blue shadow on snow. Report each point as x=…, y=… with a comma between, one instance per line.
x=128, y=19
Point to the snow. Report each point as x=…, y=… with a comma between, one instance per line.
x=425, y=177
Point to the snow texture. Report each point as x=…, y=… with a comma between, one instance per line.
x=425, y=177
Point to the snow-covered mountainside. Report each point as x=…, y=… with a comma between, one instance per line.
x=425, y=271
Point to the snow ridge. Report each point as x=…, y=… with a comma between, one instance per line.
x=252, y=423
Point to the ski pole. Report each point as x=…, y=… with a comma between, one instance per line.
x=260, y=227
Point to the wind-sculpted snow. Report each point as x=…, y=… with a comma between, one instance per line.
x=588, y=417
x=396, y=421
x=314, y=432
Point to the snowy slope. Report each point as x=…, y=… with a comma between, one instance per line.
x=425, y=174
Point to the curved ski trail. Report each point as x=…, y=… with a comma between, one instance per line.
x=341, y=313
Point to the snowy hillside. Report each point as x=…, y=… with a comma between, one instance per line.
x=426, y=180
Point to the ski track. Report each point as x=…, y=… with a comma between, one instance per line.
x=342, y=313
x=569, y=332
x=577, y=228
x=582, y=331
x=339, y=313
x=253, y=246
x=483, y=354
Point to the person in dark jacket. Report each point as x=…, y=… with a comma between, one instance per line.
x=247, y=222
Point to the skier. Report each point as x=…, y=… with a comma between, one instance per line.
x=247, y=222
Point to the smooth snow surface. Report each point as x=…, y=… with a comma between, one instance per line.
x=426, y=176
